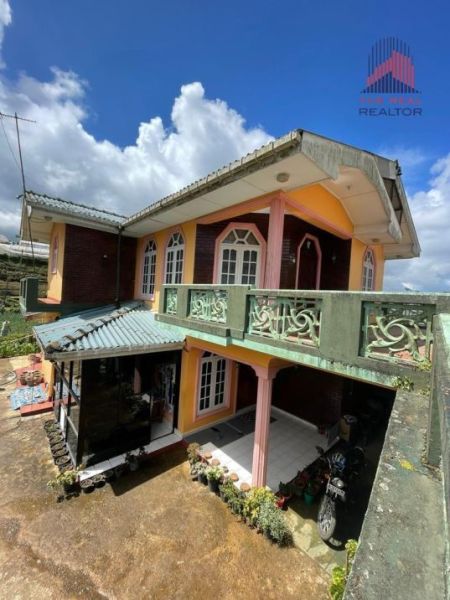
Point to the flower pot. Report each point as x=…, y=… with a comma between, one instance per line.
x=55, y=446
x=98, y=480
x=55, y=437
x=87, y=486
x=48, y=425
x=70, y=488
x=119, y=470
x=63, y=460
x=309, y=498
x=109, y=475
x=61, y=452
x=213, y=485
x=202, y=478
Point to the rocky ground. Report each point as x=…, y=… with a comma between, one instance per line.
x=153, y=534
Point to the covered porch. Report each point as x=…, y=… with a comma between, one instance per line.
x=292, y=445
x=116, y=375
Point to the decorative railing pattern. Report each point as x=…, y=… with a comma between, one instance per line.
x=397, y=331
x=171, y=301
x=290, y=319
x=209, y=305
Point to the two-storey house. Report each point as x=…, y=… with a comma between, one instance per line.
x=244, y=310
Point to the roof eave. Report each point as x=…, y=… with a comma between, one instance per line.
x=111, y=352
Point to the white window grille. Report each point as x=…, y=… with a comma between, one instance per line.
x=239, y=259
x=149, y=269
x=213, y=382
x=175, y=259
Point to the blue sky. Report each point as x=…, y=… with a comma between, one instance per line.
x=279, y=65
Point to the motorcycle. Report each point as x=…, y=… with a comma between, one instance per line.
x=340, y=469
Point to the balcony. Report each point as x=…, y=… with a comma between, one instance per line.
x=32, y=302
x=374, y=335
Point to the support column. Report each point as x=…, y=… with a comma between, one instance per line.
x=263, y=408
x=274, y=243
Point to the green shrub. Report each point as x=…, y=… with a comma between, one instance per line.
x=214, y=473
x=17, y=347
x=232, y=496
x=253, y=501
x=272, y=523
x=192, y=452
x=339, y=575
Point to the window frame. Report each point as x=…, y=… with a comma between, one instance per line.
x=172, y=251
x=368, y=252
x=214, y=359
x=260, y=249
x=151, y=269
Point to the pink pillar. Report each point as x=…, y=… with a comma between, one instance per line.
x=261, y=443
x=274, y=243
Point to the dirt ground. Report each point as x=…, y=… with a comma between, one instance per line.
x=153, y=534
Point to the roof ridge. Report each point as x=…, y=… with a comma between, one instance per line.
x=108, y=212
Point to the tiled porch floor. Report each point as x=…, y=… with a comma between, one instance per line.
x=292, y=447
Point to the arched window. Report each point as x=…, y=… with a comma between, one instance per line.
x=212, y=390
x=148, y=269
x=240, y=257
x=54, y=258
x=368, y=274
x=175, y=258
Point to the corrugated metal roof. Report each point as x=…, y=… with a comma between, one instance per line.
x=106, y=331
x=71, y=208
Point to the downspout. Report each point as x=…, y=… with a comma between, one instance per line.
x=119, y=245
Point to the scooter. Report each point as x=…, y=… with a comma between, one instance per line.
x=341, y=469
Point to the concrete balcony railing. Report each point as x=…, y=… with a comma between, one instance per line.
x=365, y=329
x=29, y=299
x=33, y=300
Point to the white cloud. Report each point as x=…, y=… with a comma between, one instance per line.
x=62, y=158
x=5, y=20
x=431, y=213
x=409, y=158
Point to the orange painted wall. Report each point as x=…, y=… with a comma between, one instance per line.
x=319, y=202
x=54, y=280
x=161, y=238
x=187, y=418
x=356, y=264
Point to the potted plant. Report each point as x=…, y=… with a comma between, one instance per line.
x=195, y=470
x=132, y=461
x=62, y=460
x=201, y=469
x=66, y=480
x=272, y=523
x=87, y=485
x=253, y=501
x=311, y=490
x=214, y=476
x=226, y=489
x=193, y=453
x=283, y=495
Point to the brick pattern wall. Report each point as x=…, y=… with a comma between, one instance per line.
x=335, y=275
x=89, y=275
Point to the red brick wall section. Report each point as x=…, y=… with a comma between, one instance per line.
x=89, y=274
x=335, y=252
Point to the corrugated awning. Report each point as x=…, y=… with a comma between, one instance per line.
x=106, y=331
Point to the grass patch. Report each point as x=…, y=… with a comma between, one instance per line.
x=20, y=339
